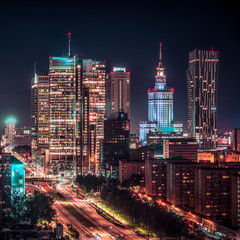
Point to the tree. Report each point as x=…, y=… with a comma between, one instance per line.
x=39, y=207
x=73, y=232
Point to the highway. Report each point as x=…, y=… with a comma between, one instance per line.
x=104, y=227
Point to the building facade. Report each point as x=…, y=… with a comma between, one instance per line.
x=120, y=90
x=62, y=113
x=160, y=105
x=184, y=148
x=10, y=131
x=93, y=78
x=202, y=78
x=116, y=144
x=43, y=112
x=235, y=140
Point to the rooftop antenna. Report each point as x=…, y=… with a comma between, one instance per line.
x=35, y=68
x=160, y=57
x=69, y=44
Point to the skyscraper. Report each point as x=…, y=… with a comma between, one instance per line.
x=202, y=76
x=160, y=105
x=62, y=113
x=120, y=90
x=116, y=143
x=160, y=98
x=43, y=112
x=93, y=78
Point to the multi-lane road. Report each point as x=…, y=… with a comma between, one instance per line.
x=99, y=227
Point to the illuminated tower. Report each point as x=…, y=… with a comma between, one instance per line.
x=34, y=109
x=202, y=76
x=62, y=113
x=94, y=74
x=160, y=99
x=10, y=130
x=120, y=91
x=43, y=112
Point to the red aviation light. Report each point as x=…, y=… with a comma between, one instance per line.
x=195, y=49
x=69, y=34
x=154, y=90
x=148, y=90
x=173, y=90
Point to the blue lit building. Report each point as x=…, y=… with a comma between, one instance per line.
x=160, y=105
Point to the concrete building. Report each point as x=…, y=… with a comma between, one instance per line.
x=156, y=178
x=202, y=78
x=185, y=148
x=213, y=192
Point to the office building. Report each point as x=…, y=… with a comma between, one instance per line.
x=202, y=78
x=43, y=112
x=93, y=78
x=116, y=144
x=34, y=111
x=10, y=131
x=185, y=148
x=120, y=90
x=62, y=114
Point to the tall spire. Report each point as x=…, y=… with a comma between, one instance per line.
x=69, y=44
x=160, y=65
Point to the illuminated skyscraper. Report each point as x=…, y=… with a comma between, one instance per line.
x=10, y=130
x=62, y=113
x=93, y=78
x=160, y=105
x=43, y=112
x=202, y=76
x=160, y=99
x=120, y=90
x=34, y=110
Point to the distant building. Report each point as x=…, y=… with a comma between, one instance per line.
x=23, y=136
x=10, y=131
x=134, y=141
x=202, y=78
x=185, y=148
x=236, y=140
x=116, y=144
x=143, y=153
x=120, y=90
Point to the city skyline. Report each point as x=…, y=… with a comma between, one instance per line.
x=124, y=52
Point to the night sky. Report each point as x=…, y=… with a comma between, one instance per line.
x=124, y=34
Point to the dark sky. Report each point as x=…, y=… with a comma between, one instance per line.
x=123, y=34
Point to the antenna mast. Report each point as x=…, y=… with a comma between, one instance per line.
x=69, y=44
